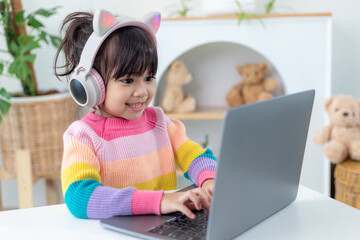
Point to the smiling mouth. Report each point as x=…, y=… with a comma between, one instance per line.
x=135, y=106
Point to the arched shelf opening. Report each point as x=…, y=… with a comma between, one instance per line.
x=213, y=66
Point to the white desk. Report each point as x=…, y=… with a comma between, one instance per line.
x=311, y=216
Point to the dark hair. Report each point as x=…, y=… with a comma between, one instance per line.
x=126, y=51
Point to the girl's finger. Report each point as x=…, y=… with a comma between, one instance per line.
x=204, y=196
x=210, y=191
x=190, y=205
x=182, y=208
x=192, y=196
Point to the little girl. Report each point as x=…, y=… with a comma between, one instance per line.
x=120, y=158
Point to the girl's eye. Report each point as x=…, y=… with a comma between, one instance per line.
x=127, y=80
x=149, y=79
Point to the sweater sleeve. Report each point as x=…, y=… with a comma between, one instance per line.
x=85, y=195
x=197, y=164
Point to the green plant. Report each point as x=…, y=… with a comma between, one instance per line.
x=242, y=15
x=270, y=6
x=20, y=44
x=181, y=11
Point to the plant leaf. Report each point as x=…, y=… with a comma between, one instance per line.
x=29, y=58
x=270, y=6
x=30, y=45
x=33, y=22
x=20, y=69
x=44, y=12
x=42, y=37
x=1, y=68
x=55, y=40
x=4, y=103
x=241, y=17
x=23, y=71
x=21, y=40
x=14, y=48
x=19, y=19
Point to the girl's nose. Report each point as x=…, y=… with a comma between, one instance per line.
x=140, y=90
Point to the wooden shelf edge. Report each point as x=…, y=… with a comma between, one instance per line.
x=202, y=113
x=234, y=16
x=195, y=116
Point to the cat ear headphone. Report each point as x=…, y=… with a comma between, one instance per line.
x=86, y=85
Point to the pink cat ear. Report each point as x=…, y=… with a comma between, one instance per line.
x=152, y=19
x=103, y=21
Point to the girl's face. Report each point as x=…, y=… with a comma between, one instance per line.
x=128, y=96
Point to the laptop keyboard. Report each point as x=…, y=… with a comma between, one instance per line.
x=183, y=227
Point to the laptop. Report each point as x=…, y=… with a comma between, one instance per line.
x=259, y=165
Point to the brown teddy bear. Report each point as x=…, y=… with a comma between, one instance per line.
x=343, y=134
x=254, y=87
x=174, y=100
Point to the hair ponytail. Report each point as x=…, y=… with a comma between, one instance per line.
x=78, y=28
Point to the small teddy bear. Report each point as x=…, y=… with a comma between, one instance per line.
x=254, y=87
x=174, y=100
x=343, y=134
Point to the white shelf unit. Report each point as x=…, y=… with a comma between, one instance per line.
x=297, y=49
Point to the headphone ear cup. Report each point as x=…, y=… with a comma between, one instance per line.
x=77, y=90
x=100, y=86
x=88, y=92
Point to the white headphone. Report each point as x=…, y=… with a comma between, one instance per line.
x=86, y=85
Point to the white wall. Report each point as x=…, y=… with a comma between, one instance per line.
x=346, y=48
x=346, y=40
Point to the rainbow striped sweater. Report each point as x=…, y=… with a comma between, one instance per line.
x=114, y=166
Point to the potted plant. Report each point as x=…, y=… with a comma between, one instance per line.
x=20, y=44
x=36, y=120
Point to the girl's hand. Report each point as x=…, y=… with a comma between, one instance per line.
x=208, y=186
x=184, y=201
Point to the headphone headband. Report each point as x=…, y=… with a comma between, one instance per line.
x=104, y=23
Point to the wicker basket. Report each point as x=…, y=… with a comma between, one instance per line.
x=347, y=183
x=37, y=124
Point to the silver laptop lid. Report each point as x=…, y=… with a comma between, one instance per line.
x=261, y=153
